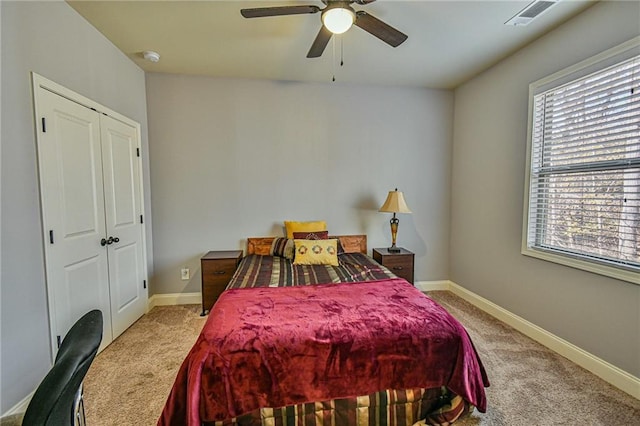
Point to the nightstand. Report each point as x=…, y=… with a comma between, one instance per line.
x=400, y=263
x=217, y=269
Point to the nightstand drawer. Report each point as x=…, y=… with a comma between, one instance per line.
x=398, y=264
x=401, y=264
x=218, y=268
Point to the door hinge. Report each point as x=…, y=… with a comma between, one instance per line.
x=141, y=219
x=44, y=125
x=59, y=340
x=144, y=283
x=138, y=152
x=51, y=236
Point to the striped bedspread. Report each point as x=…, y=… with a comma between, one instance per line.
x=390, y=407
x=275, y=271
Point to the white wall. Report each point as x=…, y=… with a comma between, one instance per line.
x=49, y=38
x=232, y=159
x=598, y=314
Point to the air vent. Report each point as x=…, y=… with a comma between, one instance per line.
x=533, y=10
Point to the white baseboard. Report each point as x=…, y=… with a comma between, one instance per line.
x=20, y=407
x=432, y=285
x=608, y=372
x=174, y=299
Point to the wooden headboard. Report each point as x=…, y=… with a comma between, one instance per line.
x=350, y=244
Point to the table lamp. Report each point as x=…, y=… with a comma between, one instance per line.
x=394, y=204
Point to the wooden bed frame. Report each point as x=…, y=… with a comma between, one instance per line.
x=350, y=244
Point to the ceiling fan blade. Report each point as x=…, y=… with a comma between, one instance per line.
x=279, y=11
x=321, y=41
x=363, y=2
x=376, y=27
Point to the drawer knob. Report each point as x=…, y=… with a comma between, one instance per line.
x=219, y=272
x=397, y=268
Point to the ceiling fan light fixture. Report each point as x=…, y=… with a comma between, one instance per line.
x=338, y=19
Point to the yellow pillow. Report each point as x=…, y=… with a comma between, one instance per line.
x=316, y=252
x=291, y=227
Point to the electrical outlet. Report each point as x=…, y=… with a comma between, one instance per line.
x=184, y=274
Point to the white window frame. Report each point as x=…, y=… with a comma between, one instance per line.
x=603, y=60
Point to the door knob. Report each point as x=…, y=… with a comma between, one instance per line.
x=111, y=240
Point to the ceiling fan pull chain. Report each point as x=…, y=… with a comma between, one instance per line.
x=333, y=62
x=341, y=51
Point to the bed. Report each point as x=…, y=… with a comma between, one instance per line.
x=345, y=344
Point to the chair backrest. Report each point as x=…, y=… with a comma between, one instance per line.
x=53, y=401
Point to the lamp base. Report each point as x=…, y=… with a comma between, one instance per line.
x=394, y=250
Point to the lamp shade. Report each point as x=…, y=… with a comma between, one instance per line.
x=338, y=19
x=395, y=203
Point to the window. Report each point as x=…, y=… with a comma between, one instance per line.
x=582, y=205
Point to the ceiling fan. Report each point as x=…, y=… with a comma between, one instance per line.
x=336, y=18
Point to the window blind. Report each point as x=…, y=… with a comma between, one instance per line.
x=584, y=194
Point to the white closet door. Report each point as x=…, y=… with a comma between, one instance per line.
x=123, y=212
x=69, y=155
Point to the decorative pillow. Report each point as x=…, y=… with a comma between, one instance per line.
x=282, y=247
x=319, y=235
x=292, y=227
x=316, y=252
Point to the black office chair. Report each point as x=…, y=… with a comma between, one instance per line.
x=58, y=399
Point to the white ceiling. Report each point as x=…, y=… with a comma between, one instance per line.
x=449, y=41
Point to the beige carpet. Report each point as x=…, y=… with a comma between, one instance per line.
x=129, y=381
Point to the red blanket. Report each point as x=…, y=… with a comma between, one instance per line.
x=272, y=347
